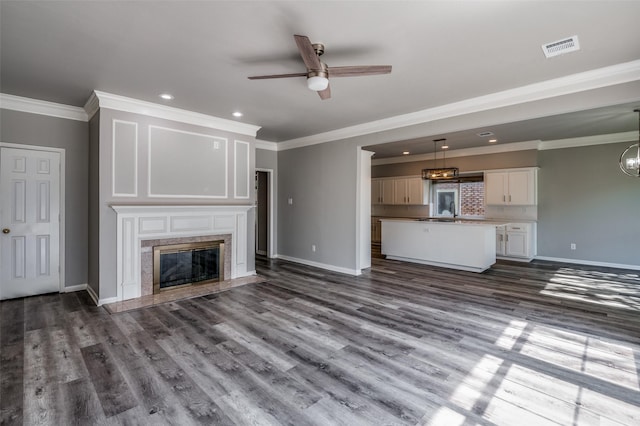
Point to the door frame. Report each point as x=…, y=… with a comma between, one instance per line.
x=270, y=252
x=61, y=222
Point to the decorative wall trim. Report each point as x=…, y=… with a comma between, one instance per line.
x=214, y=140
x=114, y=143
x=137, y=223
x=588, y=80
x=36, y=106
x=237, y=169
x=121, y=103
x=326, y=266
x=589, y=263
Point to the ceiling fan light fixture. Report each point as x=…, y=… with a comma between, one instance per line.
x=317, y=83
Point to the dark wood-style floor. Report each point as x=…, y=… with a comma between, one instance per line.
x=521, y=344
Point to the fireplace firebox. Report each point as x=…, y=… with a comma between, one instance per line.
x=181, y=265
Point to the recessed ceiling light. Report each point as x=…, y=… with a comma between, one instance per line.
x=405, y=153
x=493, y=140
x=445, y=146
x=166, y=96
x=237, y=114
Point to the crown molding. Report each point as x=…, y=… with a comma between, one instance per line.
x=36, y=106
x=121, y=103
x=266, y=145
x=589, y=140
x=588, y=80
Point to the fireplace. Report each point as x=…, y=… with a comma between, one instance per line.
x=181, y=265
x=141, y=227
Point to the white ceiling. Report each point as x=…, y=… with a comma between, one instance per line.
x=442, y=52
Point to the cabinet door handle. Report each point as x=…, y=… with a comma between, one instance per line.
x=509, y=198
x=504, y=198
x=507, y=237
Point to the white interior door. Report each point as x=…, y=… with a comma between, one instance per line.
x=30, y=222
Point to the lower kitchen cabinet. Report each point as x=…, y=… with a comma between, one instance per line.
x=516, y=240
x=376, y=230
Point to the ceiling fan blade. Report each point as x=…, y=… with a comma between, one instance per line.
x=359, y=70
x=325, y=94
x=263, y=77
x=308, y=53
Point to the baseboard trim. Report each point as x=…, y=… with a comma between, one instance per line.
x=74, y=288
x=319, y=265
x=247, y=274
x=93, y=295
x=107, y=301
x=589, y=263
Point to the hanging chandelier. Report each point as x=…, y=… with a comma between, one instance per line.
x=441, y=173
x=630, y=158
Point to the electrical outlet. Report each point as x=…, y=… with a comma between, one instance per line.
x=313, y=247
x=573, y=246
x=290, y=201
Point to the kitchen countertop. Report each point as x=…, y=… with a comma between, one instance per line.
x=447, y=221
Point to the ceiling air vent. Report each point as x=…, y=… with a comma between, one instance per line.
x=485, y=134
x=560, y=47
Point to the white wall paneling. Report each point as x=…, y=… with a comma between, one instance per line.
x=124, y=161
x=187, y=164
x=242, y=179
x=137, y=223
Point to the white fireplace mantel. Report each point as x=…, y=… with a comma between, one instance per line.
x=145, y=222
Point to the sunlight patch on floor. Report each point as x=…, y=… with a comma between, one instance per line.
x=607, y=289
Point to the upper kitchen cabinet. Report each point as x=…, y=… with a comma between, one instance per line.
x=412, y=190
x=516, y=187
x=400, y=190
x=382, y=191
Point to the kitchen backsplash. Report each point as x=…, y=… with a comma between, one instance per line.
x=491, y=212
x=399, y=211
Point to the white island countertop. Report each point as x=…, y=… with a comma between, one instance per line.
x=468, y=245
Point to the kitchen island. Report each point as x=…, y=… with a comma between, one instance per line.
x=457, y=244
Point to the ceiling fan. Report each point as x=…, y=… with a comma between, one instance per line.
x=318, y=73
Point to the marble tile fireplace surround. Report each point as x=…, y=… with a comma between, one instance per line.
x=140, y=227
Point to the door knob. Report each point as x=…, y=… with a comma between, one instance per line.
x=6, y=230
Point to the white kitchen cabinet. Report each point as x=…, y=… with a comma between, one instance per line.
x=382, y=191
x=501, y=236
x=410, y=190
x=400, y=190
x=511, y=187
x=517, y=241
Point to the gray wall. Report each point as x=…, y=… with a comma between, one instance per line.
x=266, y=159
x=72, y=136
x=322, y=181
x=585, y=199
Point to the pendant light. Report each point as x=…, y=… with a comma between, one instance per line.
x=441, y=173
x=630, y=158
